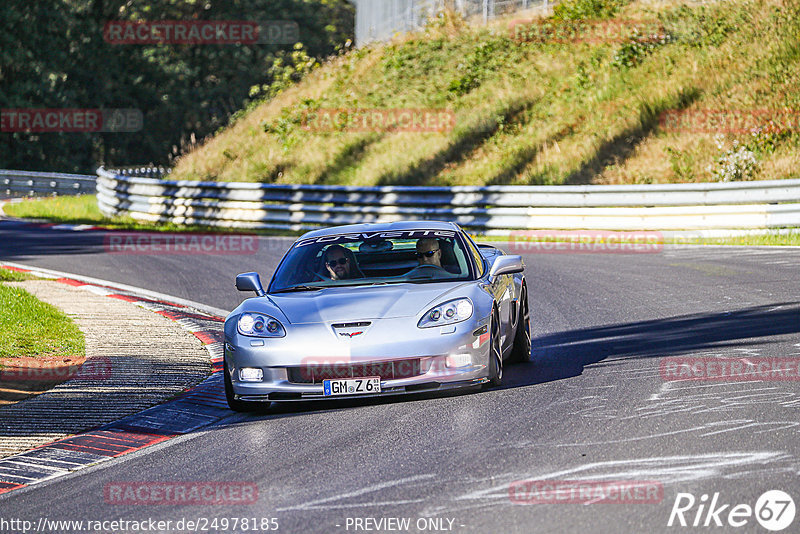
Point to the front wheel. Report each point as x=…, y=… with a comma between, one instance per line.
x=495, y=353
x=235, y=404
x=521, y=352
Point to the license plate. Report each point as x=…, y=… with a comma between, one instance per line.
x=351, y=386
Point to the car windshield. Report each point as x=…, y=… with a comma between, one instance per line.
x=369, y=258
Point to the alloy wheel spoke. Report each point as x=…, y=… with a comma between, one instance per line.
x=496, y=349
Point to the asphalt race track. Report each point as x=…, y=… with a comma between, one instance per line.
x=593, y=406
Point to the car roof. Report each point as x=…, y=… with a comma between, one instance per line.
x=382, y=227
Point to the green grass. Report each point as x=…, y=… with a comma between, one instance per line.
x=772, y=240
x=7, y=275
x=83, y=210
x=532, y=112
x=31, y=328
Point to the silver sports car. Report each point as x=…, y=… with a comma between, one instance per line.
x=377, y=309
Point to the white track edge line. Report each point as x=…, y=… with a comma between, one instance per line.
x=124, y=287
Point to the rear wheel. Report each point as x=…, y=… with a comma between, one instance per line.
x=495, y=353
x=235, y=404
x=521, y=352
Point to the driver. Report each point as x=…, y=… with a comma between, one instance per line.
x=429, y=252
x=340, y=263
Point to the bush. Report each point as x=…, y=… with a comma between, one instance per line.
x=639, y=46
x=587, y=9
x=699, y=27
x=486, y=58
x=766, y=139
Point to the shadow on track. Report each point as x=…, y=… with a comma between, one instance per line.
x=565, y=354
x=21, y=240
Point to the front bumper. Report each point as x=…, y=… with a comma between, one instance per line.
x=448, y=357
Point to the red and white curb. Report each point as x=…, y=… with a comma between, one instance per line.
x=196, y=408
x=68, y=227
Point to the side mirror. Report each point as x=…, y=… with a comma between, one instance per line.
x=506, y=265
x=250, y=282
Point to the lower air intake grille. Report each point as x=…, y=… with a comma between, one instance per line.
x=389, y=370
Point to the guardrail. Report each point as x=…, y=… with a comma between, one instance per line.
x=25, y=183
x=664, y=207
x=380, y=20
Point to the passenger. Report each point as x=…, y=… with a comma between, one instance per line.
x=340, y=263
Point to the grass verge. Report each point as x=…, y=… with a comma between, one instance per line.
x=30, y=328
x=7, y=275
x=83, y=210
x=40, y=346
x=773, y=240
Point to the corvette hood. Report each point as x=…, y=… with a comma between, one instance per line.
x=348, y=304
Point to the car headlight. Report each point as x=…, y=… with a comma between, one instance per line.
x=450, y=312
x=260, y=325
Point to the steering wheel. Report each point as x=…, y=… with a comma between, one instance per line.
x=316, y=274
x=425, y=268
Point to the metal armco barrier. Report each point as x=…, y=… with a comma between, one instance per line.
x=380, y=20
x=25, y=183
x=667, y=207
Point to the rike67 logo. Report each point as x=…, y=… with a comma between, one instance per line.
x=774, y=510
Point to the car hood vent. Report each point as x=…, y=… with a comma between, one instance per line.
x=352, y=325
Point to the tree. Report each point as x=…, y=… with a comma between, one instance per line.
x=53, y=55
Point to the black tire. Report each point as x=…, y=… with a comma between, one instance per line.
x=239, y=405
x=495, y=353
x=521, y=351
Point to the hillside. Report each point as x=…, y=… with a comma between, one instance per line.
x=542, y=109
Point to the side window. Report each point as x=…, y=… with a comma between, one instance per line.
x=477, y=255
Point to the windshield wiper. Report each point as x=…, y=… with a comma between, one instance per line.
x=298, y=288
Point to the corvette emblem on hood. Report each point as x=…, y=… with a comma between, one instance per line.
x=350, y=334
x=351, y=330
